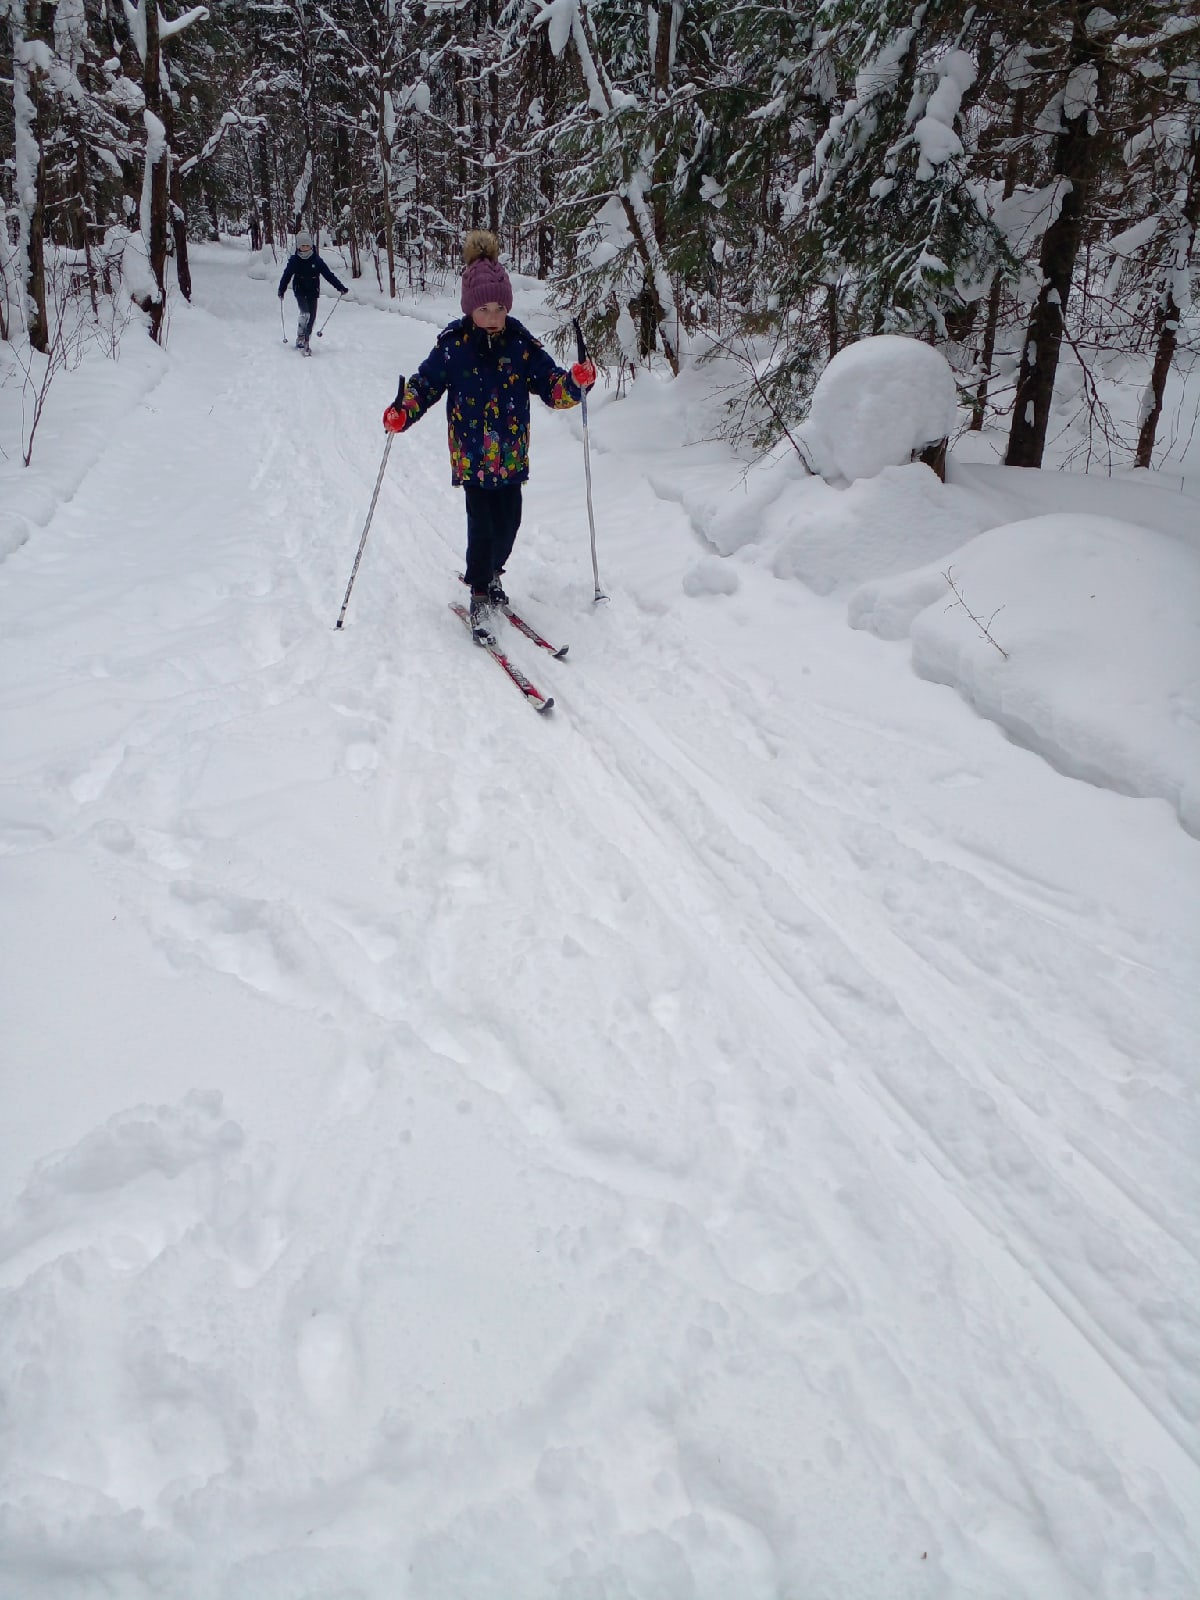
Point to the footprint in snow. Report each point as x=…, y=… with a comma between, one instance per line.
x=150, y=1180
x=327, y=1363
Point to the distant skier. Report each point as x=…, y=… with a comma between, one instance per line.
x=488, y=364
x=304, y=272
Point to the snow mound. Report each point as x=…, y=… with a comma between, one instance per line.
x=875, y=403
x=710, y=575
x=82, y=409
x=1100, y=621
x=265, y=266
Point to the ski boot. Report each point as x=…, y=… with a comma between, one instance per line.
x=481, y=615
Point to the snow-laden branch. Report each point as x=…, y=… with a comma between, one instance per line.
x=168, y=30
x=231, y=119
x=135, y=16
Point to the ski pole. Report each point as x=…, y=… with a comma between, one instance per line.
x=282, y=323
x=325, y=324
x=587, y=466
x=367, y=525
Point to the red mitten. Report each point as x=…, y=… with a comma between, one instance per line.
x=395, y=421
x=584, y=374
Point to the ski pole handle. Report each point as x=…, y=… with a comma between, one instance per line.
x=579, y=344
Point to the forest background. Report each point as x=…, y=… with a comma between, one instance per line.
x=1017, y=185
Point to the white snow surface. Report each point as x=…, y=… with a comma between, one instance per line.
x=875, y=403
x=1096, y=663
x=732, y=1137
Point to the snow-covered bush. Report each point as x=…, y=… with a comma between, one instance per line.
x=876, y=403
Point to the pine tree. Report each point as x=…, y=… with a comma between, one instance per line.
x=632, y=149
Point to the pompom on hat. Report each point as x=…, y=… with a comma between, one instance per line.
x=484, y=281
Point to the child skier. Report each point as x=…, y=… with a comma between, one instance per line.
x=488, y=364
x=304, y=272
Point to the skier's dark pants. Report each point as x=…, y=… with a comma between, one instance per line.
x=493, y=517
x=308, y=315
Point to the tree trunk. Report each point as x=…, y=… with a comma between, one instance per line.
x=176, y=202
x=545, y=230
x=155, y=195
x=255, y=213
x=546, y=185
x=261, y=189
x=183, y=267
x=640, y=219
x=988, y=353
x=934, y=455
x=385, y=170
x=1168, y=326
x=80, y=214
x=30, y=162
x=1077, y=160
x=461, y=137
x=491, y=47
x=1167, y=319
x=304, y=195
x=156, y=175
x=266, y=211
x=493, y=135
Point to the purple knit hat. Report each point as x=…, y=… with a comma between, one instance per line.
x=484, y=280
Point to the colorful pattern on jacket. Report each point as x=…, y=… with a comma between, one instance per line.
x=487, y=380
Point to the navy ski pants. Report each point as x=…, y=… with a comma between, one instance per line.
x=308, y=315
x=493, y=517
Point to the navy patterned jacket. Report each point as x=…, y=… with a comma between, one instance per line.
x=487, y=380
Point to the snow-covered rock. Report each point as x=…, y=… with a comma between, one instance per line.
x=876, y=402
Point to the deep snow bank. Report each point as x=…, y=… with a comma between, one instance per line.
x=1100, y=623
x=1103, y=675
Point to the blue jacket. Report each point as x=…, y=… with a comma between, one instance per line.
x=307, y=274
x=487, y=379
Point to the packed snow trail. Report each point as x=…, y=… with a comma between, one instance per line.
x=730, y=1138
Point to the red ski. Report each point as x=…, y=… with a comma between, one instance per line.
x=558, y=651
x=539, y=701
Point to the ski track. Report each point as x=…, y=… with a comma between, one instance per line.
x=700, y=1165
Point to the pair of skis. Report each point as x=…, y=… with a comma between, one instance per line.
x=533, y=695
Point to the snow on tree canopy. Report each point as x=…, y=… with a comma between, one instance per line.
x=875, y=403
x=934, y=134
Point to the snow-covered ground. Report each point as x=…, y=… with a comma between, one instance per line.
x=735, y=1137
